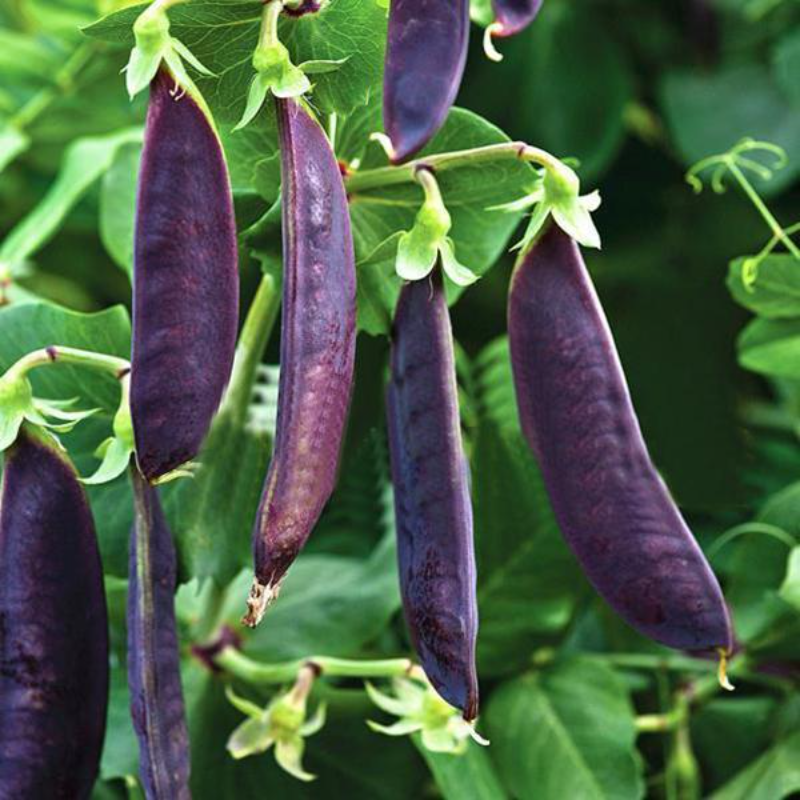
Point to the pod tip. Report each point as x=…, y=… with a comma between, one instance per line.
x=258, y=601
x=722, y=672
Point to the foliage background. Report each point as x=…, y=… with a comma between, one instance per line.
x=637, y=90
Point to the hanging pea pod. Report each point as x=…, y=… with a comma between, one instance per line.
x=611, y=505
x=186, y=281
x=426, y=51
x=432, y=498
x=53, y=627
x=154, y=675
x=318, y=337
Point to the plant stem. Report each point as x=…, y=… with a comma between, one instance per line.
x=405, y=173
x=268, y=36
x=761, y=207
x=253, y=340
x=118, y=367
x=254, y=672
x=62, y=82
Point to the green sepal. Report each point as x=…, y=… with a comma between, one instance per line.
x=275, y=72
x=416, y=255
x=322, y=65
x=154, y=45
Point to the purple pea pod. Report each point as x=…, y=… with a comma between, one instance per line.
x=426, y=51
x=513, y=16
x=53, y=628
x=186, y=281
x=431, y=494
x=318, y=340
x=610, y=502
x=154, y=675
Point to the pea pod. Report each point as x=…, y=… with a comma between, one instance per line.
x=426, y=51
x=154, y=676
x=513, y=16
x=53, y=628
x=318, y=337
x=186, y=284
x=611, y=505
x=432, y=498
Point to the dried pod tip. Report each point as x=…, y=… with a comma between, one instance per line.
x=722, y=672
x=258, y=601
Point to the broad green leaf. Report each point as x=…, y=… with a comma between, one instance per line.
x=118, y=205
x=378, y=287
x=774, y=776
x=790, y=588
x=479, y=235
x=568, y=731
x=223, y=38
x=84, y=162
x=771, y=347
x=121, y=751
x=706, y=116
x=471, y=774
x=574, y=71
x=329, y=605
x=528, y=581
x=775, y=292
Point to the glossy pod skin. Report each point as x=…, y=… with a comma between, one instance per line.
x=426, y=51
x=514, y=16
x=610, y=502
x=431, y=494
x=53, y=629
x=186, y=282
x=154, y=677
x=318, y=339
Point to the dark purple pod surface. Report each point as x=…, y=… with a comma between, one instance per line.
x=154, y=676
x=53, y=629
x=318, y=339
x=185, y=284
x=431, y=494
x=611, y=504
x=426, y=51
x=514, y=15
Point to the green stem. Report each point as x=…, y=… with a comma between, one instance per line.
x=405, y=173
x=762, y=209
x=62, y=82
x=253, y=340
x=268, y=37
x=118, y=367
x=241, y=666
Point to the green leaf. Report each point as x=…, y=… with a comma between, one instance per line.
x=378, y=288
x=786, y=65
x=528, y=581
x=772, y=777
x=470, y=774
x=84, y=162
x=790, y=588
x=568, y=731
x=771, y=347
x=706, y=116
x=574, y=71
x=775, y=291
x=120, y=752
x=118, y=205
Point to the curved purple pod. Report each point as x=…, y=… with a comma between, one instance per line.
x=318, y=339
x=185, y=283
x=513, y=16
x=426, y=51
x=431, y=494
x=53, y=628
x=610, y=502
x=154, y=676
